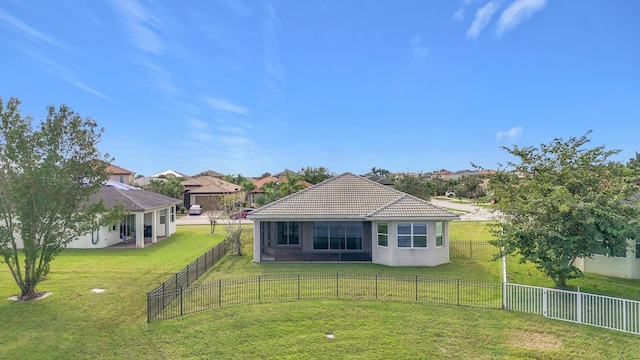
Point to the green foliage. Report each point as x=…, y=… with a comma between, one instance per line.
x=561, y=202
x=47, y=178
x=170, y=187
x=315, y=175
x=415, y=185
x=383, y=173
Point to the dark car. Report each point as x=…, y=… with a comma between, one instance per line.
x=240, y=214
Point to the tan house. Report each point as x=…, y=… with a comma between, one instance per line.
x=197, y=190
x=351, y=218
x=116, y=173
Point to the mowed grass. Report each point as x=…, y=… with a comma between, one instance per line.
x=75, y=323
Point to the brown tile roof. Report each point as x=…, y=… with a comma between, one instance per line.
x=351, y=196
x=117, y=170
x=210, y=185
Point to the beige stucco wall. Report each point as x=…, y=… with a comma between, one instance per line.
x=393, y=256
x=627, y=267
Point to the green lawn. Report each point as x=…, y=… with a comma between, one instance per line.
x=75, y=323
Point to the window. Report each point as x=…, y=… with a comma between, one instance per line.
x=162, y=219
x=173, y=214
x=412, y=235
x=383, y=234
x=112, y=227
x=439, y=234
x=288, y=233
x=122, y=179
x=637, y=249
x=337, y=235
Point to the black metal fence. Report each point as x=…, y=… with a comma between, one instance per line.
x=471, y=249
x=270, y=288
x=163, y=296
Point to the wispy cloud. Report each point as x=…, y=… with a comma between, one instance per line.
x=512, y=134
x=197, y=124
x=63, y=73
x=225, y=105
x=274, y=80
x=28, y=30
x=139, y=21
x=459, y=15
x=237, y=6
x=482, y=18
x=418, y=49
x=517, y=12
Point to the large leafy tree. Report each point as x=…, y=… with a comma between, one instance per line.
x=169, y=187
x=48, y=175
x=563, y=201
x=315, y=175
x=415, y=185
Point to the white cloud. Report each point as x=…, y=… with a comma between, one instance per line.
x=226, y=105
x=459, y=15
x=27, y=30
x=138, y=19
x=517, y=12
x=509, y=135
x=482, y=18
x=197, y=124
x=237, y=6
x=418, y=49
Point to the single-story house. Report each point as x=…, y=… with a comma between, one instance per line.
x=351, y=218
x=623, y=265
x=198, y=190
x=150, y=216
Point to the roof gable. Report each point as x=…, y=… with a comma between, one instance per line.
x=349, y=195
x=133, y=199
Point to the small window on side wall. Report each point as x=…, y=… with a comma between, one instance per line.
x=383, y=234
x=439, y=234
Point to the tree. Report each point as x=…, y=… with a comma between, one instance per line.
x=383, y=173
x=634, y=162
x=233, y=227
x=315, y=175
x=48, y=175
x=292, y=185
x=415, y=185
x=561, y=202
x=170, y=187
x=247, y=188
x=213, y=207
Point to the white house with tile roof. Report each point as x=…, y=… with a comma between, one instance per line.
x=351, y=218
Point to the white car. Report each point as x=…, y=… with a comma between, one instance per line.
x=195, y=210
x=450, y=193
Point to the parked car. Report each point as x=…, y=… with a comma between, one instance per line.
x=195, y=210
x=240, y=214
x=450, y=193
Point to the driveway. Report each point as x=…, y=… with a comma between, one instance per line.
x=470, y=211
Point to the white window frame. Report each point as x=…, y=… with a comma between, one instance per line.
x=384, y=234
x=412, y=236
x=440, y=234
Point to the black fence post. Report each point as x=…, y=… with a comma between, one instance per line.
x=298, y=286
x=181, y=309
x=258, y=288
x=376, y=285
x=458, y=292
x=219, y=292
x=197, y=268
x=470, y=249
x=336, y=284
x=176, y=281
x=148, y=308
x=416, y=287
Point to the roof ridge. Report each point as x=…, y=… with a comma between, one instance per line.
x=387, y=204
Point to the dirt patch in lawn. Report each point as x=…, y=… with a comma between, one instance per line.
x=535, y=340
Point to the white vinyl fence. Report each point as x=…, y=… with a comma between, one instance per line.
x=583, y=308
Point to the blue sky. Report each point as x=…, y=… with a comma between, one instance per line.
x=247, y=87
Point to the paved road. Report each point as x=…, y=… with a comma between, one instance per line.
x=472, y=212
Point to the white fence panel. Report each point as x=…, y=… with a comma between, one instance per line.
x=584, y=308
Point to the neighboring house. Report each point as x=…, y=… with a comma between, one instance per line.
x=209, y=173
x=119, y=174
x=150, y=215
x=351, y=218
x=169, y=174
x=380, y=180
x=625, y=265
x=197, y=190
